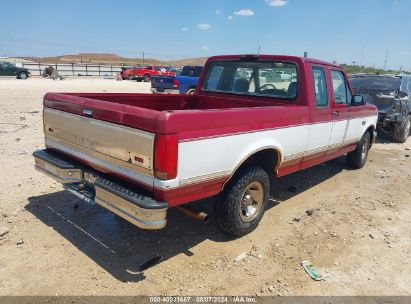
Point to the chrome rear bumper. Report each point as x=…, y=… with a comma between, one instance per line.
x=140, y=210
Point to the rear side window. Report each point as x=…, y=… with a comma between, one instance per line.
x=320, y=87
x=191, y=71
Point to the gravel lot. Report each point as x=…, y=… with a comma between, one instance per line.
x=357, y=230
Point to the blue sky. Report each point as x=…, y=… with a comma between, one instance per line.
x=329, y=30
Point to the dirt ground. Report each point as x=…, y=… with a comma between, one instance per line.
x=358, y=233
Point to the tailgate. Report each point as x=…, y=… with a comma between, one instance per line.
x=162, y=82
x=105, y=145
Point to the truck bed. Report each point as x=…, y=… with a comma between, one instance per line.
x=168, y=114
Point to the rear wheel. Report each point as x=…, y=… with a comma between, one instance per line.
x=402, y=130
x=147, y=78
x=357, y=158
x=130, y=77
x=243, y=202
x=22, y=75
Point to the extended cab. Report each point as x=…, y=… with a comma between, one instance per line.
x=145, y=73
x=140, y=154
x=185, y=83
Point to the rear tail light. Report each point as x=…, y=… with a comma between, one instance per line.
x=165, y=156
x=175, y=83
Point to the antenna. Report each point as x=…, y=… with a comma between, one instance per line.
x=386, y=59
x=362, y=55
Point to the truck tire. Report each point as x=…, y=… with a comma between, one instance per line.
x=402, y=130
x=243, y=202
x=191, y=91
x=357, y=158
x=22, y=75
x=146, y=78
x=130, y=77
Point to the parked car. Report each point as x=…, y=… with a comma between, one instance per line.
x=140, y=154
x=392, y=96
x=9, y=69
x=185, y=83
x=145, y=73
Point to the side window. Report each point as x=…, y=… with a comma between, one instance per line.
x=342, y=93
x=409, y=86
x=320, y=87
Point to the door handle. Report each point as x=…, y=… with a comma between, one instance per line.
x=336, y=113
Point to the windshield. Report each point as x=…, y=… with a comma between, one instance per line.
x=377, y=83
x=7, y=65
x=268, y=78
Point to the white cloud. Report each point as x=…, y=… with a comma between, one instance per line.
x=218, y=12
x=205, y=48
x=203, y=26
x=230, y=17
x=184, y=28
x=276, y=3
x=244, y=12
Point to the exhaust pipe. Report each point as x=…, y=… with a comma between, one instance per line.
x=199, y=216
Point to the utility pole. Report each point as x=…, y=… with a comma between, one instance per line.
x=143, y=57
x=386, y=59
x=259, y=48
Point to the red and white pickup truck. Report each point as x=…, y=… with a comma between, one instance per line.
x=140, y=154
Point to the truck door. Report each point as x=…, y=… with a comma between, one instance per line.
x=340, y=100
x=321, y=118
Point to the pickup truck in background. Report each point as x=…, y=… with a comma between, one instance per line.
x=145, y=73
x=140, y=154
x=185, y=83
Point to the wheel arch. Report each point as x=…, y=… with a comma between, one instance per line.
x=371, y=128
x=267, y=157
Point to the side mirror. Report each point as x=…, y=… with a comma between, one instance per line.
x=358, y=100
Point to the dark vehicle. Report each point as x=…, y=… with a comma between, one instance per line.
x=392, y=96
x=9, y=69
x=185, y=83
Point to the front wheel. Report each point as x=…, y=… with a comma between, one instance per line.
x=22, y=75
x=191, y=91
x=402, y=130
x=243, y=202
x=130, y=77
x=357, y=158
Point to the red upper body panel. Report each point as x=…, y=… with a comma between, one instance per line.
x=209, y=113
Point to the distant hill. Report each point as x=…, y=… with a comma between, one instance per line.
x=114, y=59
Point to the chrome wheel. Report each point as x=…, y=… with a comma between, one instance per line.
x=251, y=201
x=363, y=151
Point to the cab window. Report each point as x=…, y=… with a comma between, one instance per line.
x=320, y=87
x=273, y=79
x=342, y=93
